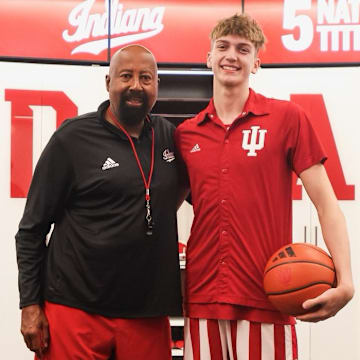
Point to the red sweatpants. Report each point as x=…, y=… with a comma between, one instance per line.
x=78, y=335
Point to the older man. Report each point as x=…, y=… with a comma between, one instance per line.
x=108, y=278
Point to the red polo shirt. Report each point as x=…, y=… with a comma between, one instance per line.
x=241, y=186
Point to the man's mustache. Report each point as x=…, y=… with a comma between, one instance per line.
x=138, y=95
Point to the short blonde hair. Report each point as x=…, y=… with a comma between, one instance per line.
x=242, y=25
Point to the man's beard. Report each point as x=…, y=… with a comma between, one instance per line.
x=133, y=115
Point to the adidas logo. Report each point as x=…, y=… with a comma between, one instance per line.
x=195, y=148
x=109, y=163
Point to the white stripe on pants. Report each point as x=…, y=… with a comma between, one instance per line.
x=238, y=340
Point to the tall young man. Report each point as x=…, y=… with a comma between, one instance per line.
x=108, y=278
x=240, y=153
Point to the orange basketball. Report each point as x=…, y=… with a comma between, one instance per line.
x=295, y=273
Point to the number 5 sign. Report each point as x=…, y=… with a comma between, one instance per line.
x=291, y=21
x=309, y=31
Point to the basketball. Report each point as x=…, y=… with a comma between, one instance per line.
x=295, y=273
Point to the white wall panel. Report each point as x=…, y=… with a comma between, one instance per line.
x=85, y=86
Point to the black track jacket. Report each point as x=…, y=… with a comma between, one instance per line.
x=98, y=258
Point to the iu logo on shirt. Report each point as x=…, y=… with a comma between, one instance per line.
x=255, y=141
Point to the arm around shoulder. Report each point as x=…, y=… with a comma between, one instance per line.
x=183, y=178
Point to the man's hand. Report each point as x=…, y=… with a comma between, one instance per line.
x=327, y=304
x=35, y=329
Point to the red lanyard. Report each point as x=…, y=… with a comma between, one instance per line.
x=146, y=182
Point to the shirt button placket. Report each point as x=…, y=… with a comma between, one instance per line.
x=224, y=220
